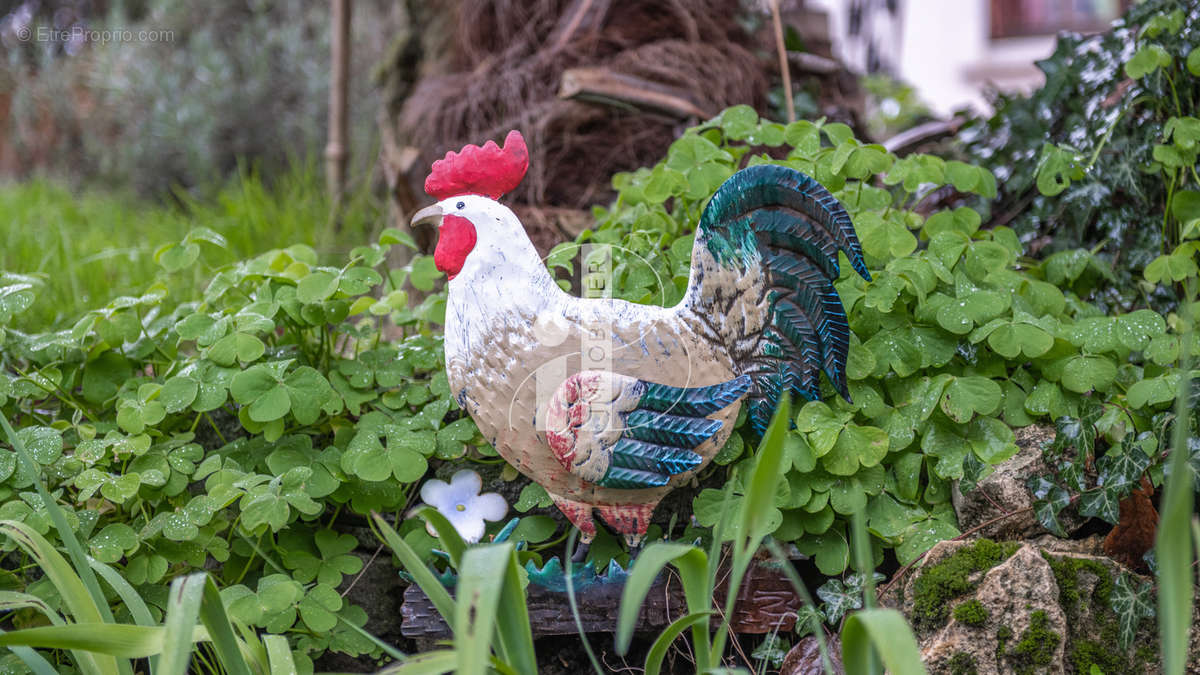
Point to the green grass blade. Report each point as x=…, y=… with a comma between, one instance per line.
x=251, y=645
x=862, y=557
x=429, y=663
x=658, y=650
x=69, y=586
x=71, y=543
x=56, y=568
x=758, y=503
x=449, y=538
x=1174, y=551
x=385, y=647
x=11, y=601
x=760, y=490
x=129, y=596
x=183, y=608
x=479, y=582
x=425, y=579
x=882, y=631
x=693, y=569
x=33, y=660
x=513, y=632
x=568, y=571
x=113, y=639
x=798, y=584
x=279, y=655
x=1196, y=536
x=59, y=518
x=231, y=652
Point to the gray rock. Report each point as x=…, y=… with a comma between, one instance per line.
x=1003, y=492
x=1043, y=609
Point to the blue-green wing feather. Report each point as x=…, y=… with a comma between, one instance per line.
x=662, y=433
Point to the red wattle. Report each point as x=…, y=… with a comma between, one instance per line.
x=456, y=238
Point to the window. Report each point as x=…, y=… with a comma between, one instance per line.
x=1016, y=18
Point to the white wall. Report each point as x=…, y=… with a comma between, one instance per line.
x=945, y=52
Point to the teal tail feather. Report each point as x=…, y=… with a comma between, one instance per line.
x=785, y=221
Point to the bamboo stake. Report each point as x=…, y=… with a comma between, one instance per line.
x=784, y=69
x=336, y=149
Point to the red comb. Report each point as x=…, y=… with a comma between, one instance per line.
x=489, y=170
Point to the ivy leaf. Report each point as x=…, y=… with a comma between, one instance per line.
x=1131, y=602
x=1049, y=501
x=838, y=600
x=1120, y=470
x=1100, y=503
x=1057, y=167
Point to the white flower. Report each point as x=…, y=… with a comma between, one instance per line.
x=460, y=502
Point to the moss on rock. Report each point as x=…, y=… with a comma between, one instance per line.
x=1066, y=573
x=942, y=582
x=972, y=613
x=1035, y=648
x=963, y=663
x=1097, y=646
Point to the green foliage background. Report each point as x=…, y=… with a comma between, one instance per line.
x=958, y=339
x=1097, y=157
x=231, y=415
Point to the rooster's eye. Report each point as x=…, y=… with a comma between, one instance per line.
x=460, y=205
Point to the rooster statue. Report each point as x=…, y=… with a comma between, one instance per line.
x=609, y=404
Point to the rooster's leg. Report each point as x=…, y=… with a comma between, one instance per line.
x=580, y=515
x=630, y=520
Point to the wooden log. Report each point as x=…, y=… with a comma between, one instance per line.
x=908, y=140
x=601, y=85
x=813, y=64
x=766, y=602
